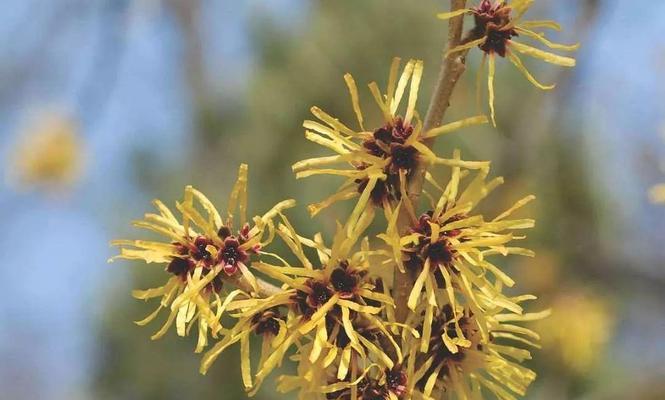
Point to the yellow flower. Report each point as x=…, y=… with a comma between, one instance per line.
x=258, y=316
x=496, y=24
x=201, y=252
x=333, y=306
x=310, y=380
x=578, y=330
x=49, y=155
x=450, y=248
x=377, y=162
x=372, y=384
x=657, y=193
x=489, y=360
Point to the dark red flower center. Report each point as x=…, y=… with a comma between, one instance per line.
x=184, y=266
x=492, y=21
x=344, y=282
x=375, y=391
x=307, y=301
x=423, y=227
x=443, y=357
x=388, y=142
x=299, y=301
x=224, y=232
x=497, y=40
x=440, y=252
x=199, y=252
x=179, y=266
x=231, y=254
x=342, y=339
x=396, y=381
x=319, y=295
x=373, y=388
x=403, y=157
x=267, y=322
x=387, y=189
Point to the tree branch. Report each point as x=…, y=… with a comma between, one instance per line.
x=266, y=289
x=452, y=68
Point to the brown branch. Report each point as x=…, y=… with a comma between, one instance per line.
x=266, y=289
x=452, y=68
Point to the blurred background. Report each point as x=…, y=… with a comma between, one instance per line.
x=107, y=104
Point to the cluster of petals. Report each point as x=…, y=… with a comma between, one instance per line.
x=377, y=163
x=200, y=253
x=497, y=24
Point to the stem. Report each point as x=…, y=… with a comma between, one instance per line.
x=452, y=68
x=266, y=289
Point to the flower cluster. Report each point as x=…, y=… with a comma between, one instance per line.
x=490, y=360
x=449, y=248
x=201, y=252
x=497, y=24
x=457, y=305
x=336, y=311
x=337, y=307
x=378, y=162
x=333, y=312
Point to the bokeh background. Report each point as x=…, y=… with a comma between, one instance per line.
x=147, y=96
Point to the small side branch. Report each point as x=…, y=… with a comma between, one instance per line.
x=265, y=289
x=451, y=71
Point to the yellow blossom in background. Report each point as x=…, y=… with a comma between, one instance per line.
x=657, y=193
x=377, y=162
x=203, y=249
x=496, y=24
x=48, y=155
x=578, y=330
